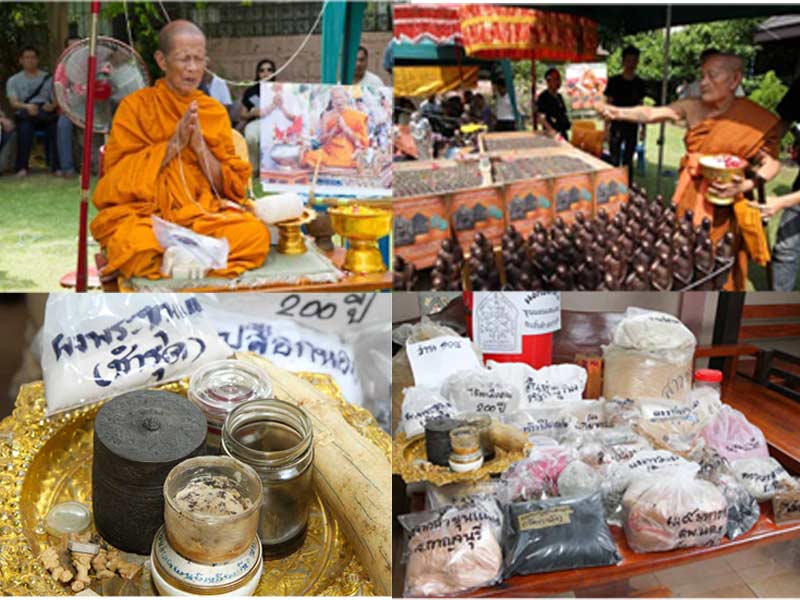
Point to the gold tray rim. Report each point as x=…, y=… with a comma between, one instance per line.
x=26, y=431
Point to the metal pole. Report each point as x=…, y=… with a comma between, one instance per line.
x=664, y=86
x=81, y=277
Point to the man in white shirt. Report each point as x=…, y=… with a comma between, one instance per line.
x=503, y=110
x=361, y=75
x=216, y=88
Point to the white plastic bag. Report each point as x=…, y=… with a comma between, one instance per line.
x=210, y=252
x=480, y=494
x=481, y=391
x=673, y=510
x=551, y=383
x=651, y=355
x=419, y=405
x=670, y=424
x=97, y=346
x=536, y=476
x=763, y=477
x=559, y=420
x=734, y=437
x=452, y=551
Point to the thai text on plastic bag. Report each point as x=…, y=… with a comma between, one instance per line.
x=551, y=383
x=557, y=534
x=481, y=494
x=651, y=355
x=559, y=419
x=734, y=437
x=763, y=477
x=452, y=551
x=97, y=346
x=419, y=405
x=210, y=252
x=247, y=324
x=647, y=462
x=669, y=424
x=481, y=391
x=673, y=510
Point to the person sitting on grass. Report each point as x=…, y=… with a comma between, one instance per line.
x=170, y=154
x=719, y=123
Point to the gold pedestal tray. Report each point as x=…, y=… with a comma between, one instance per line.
x=290, y=238
x=47, y=461
x=362, y=226
x=410, y=461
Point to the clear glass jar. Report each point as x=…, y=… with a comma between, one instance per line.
x=708, y=378
x=276, y=439
x=211, y=508
x=483, y=423
x=465, y=440
x=218, y=387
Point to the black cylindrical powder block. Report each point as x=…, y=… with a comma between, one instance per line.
x=437, y=439
x=138, y=438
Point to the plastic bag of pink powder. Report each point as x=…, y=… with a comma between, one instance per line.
x=734, y=437
x=536, y=476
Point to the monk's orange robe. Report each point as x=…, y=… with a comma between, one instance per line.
x=135, y=187
x=339, y=150
x=744, y=130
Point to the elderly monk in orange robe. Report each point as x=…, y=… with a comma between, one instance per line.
x=170, y=154
x=344, y=130
x=720, y=123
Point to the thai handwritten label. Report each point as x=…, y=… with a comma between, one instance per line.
x=786, y=507
x=266, y=340
x=543, y=391
x=541, y=519
x=658, y=413
x=433, y=361
x=500, y=319
x=140, y=342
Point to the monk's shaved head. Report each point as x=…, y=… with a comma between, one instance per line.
x=731, y=62
x=176, y=28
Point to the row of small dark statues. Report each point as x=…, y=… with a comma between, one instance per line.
x=645, y=246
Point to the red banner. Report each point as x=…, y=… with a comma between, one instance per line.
x=414, y=23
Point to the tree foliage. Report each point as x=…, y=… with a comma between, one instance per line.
x=686, y=45
x=146, y=20
x=23, y=23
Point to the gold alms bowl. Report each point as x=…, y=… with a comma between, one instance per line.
x=721, y=168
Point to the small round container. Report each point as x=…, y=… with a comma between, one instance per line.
x=175, y=575
x=461, y=463
x=483, y=423
x=709, y=378
x=218, y=387
x=276, y=439
x=465, y=441
x=437, y=439
x=211, y=507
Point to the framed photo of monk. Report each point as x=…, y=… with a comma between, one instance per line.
x=342, y=135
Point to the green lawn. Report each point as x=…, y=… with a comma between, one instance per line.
x=39, y=231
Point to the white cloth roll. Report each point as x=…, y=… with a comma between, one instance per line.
x=279, y=207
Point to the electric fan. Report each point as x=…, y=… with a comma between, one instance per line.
x=120, y=71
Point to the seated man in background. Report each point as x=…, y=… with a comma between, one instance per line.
x=720, y=123
x=30, y=94
x=170, y=154
x=344, y=131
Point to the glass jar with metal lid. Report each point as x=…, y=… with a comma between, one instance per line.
x=218, y=387
x=276, y=439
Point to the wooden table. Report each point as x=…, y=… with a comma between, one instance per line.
x=372, y=282
x=779, y=419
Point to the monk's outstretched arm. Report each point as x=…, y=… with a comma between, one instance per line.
x=644, y=114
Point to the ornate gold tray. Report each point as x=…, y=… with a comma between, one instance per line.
x=410, y=461
x=46, y=461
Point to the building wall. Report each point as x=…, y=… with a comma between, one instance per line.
x=236, y=58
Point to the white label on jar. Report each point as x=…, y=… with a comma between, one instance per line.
x=500, y=319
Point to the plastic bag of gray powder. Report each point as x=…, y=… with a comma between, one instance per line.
x=578, y=479
x=557, y=534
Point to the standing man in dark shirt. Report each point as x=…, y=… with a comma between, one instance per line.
x=786, y=252
x=550, y=105
x=625, y=90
